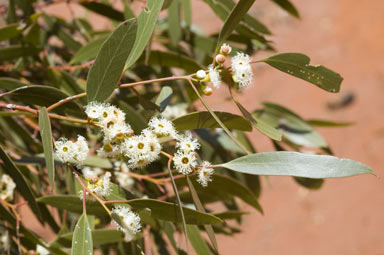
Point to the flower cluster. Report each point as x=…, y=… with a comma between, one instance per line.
x=241, y=70
x=130, y=222
x=205, y=174
x=68, y=151
x=185, y=159
x=4, y=240
x=7, y=187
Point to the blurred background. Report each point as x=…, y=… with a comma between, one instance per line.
x=346, y=216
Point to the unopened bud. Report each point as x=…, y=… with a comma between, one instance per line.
x=225, y=49
x=201, y=74
x=207, y=91
x=108, y=147
x=220, y=58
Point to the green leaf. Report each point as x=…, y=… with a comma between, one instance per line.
x=297, y=164
x=133, y=117
x=234, y=18
x=328, y=123
x=106, y=71
x=10, y=83
x=309, y=183
x=46, y=96
x=46, y=136
x=164, y=97
x=200, y=207
x=99, y=237
x=171, y=59
x=294, y=128
x=89, y=51
x=146, y=24
x=159, y=209
x=288, y=6
x=224, y=188
x=22, y=185
x=10, y=31
x=197, y=240
x=16, y=51
x=174, y=27
x=197, y=120
x=104, y=10
x=297, y=64
x=229, y=215
x=82, y=243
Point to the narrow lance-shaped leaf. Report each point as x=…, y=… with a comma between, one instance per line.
x=297, y=164
x=197, y=240
x=106, y=71
x=146, y=24
x=288, y=6
x=46, y=136
x=82, y=237
x=233, y=19
x=104, y=10
x=21, y=184
x=297, y=64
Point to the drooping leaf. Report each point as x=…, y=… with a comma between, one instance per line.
x=288, y=6
x=237, y=13
x=46, y=136
x=16, y=51
x=228, y=215
x=82, y=243
x=89, y=51
x=198, y=120
x=99, y=237
x=164, y=97
x=328, y=123
x=104, y=10
x=174, y=20
x=106, y=71
x=297, y=164
x=297, y=64
x=22, y=185
x=293, y=127
x=197, y=240
x=146, y=24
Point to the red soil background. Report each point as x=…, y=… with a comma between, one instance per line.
x=346, y=215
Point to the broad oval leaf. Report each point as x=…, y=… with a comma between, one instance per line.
x=198, y=120
x=237, y=13
x=109, y=64
x=10, y=83
x=297, y=64
x=297, y=164
x=46, y=136
x=146, y=24
x=89, y=51
x=82, y=243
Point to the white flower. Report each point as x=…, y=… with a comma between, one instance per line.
x=81, y=149
x=242, y=69
x=174, y=111
x=94, y=109
x=7, y=187
x=89, y=172
x=117, y=131
x=205, y=174
x=99, y=186
x=130, y=220
x=162, y=127
x=184, y=162
x=109, y=151
x=4, y=241
x=201, y=74
x=225, y=49
x=214, y=76
x=65, y=149
x=72, y=151
x=41, y=250
x=124, y=180
x=141, y=150
x=187, y=143
x=111, y=115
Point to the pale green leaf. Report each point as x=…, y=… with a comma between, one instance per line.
x=82, y=243
x=297, y=164
x=89, y=51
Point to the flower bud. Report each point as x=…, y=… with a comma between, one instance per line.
x=207, y=91
x=220, y=58
x=225, y=49
x=94, y=180
x=201, y=74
